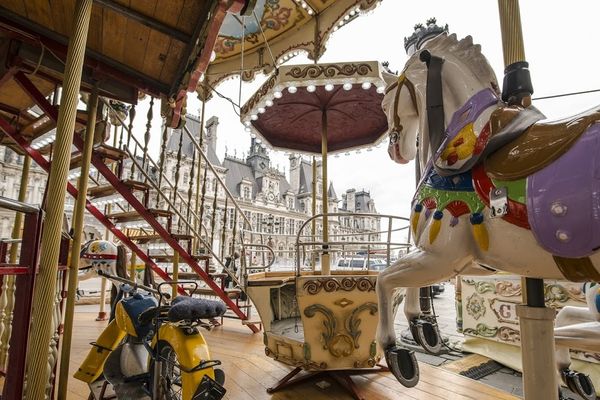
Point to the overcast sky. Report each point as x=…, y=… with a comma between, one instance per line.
x=560, y=44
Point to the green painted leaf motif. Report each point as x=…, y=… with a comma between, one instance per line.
x=482, y=330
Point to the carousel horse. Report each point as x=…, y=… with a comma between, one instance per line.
x=107, y=257
x=500, y=191
x=578, y=328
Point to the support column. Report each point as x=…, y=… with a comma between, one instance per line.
x=313, y=224
x=7, y=299
x=43, y=301
x=536, y=321
x=325, y=267
x=132, y=267
x=78, y=221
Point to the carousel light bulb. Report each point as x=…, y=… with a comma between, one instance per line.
x=248, y=129
x=202, y=78
x=380, y=89
x=269, y=103
x=253, y=135
x=247, y=123
x=261, y=110
x=213, y=55
x=353, y=12
x=347, y=86
x=254, y=117
x=311, y=88
x=366, y=85
x=347, y=17
x=341, y=23
x=292, y=89
x=277, y=94
x=329, y=87
x=335, y=28
x=304, y=5
x=258, y=140
x=310, y=12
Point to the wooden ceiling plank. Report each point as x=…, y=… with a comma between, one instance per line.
x=156, y=54
x=137, y=35
x=174, y=57
x=40, y=11
x=94, y=41
x=176, y=11
x=17, y=6
x=60, y=17
x=114, y=30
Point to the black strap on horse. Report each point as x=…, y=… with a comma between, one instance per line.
x=434, y=100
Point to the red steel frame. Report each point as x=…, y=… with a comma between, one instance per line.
x=52, y=112
x=24, y=286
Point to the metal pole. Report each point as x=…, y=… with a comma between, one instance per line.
x=198, y=220
x=175, y=273
x=517, y=87
x=313, y=225
x=45, y=290
x=78, y=220
x=132, y=265
x=325, y=268
x=8, y=287
x=536, y=320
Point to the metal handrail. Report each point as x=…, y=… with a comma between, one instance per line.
x=19, y=206
x=328, y=244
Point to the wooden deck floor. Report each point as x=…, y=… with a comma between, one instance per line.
x=249, y=372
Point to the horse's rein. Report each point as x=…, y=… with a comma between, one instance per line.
x=398, y=85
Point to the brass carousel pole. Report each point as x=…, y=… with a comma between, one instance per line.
x=535, y=319
x=45, y=287
x=313, y=227
x=198, y=220
x=78, y=220
x=325, y=267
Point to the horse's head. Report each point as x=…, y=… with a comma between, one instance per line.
x=464, y=72
x=99, y=255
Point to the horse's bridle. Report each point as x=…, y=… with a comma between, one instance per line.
x=434, y=101
x=399, y=84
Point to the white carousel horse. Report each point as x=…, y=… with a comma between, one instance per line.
x=578, y=328
x=108, y=258
x=543, y=180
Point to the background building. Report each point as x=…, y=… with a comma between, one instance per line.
x=274, y=205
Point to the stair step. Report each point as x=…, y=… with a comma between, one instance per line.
x=108, y=153
x=97, y=192
x=128, y=216
x=155, y=237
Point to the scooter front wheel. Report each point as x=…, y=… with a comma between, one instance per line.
x=167, y=379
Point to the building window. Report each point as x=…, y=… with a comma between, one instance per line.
x=246, y=192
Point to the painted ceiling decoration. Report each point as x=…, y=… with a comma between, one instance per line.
x=287, y=28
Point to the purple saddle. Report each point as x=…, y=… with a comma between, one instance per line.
x=563, y=199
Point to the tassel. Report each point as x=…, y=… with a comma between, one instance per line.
x=436, y=224
x=480, y=232
x=414, y=219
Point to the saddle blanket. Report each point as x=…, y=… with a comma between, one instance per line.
x=563, y=199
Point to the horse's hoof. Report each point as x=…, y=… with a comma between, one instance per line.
x=403, y=364
x=579, y=383
x=427, y=334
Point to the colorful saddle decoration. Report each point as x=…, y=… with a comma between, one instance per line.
x=549, y=189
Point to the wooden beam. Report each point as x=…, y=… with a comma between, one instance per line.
x=145, y=20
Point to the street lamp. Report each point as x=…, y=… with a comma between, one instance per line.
x=269, y=222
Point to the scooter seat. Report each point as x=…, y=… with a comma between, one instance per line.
x=184, y=308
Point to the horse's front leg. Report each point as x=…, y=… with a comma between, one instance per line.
x=415, y=270
x=576, y=327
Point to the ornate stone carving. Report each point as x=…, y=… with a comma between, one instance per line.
x=329, y=71
x=340, y=343
x=347, y=284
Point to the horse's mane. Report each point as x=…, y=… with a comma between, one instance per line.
x=463, y=50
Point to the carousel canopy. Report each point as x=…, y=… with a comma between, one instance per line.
x=277, y=30
x=288, y=110
x=160, y=47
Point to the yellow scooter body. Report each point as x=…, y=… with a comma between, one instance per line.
x=93, y=365
x=191, y=350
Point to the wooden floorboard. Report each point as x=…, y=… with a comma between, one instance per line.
x=249, y=372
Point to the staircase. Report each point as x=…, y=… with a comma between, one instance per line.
x=170, y=224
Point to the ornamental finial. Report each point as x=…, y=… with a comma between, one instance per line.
x=423, y=33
